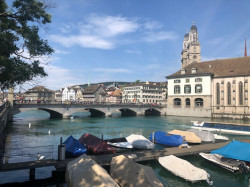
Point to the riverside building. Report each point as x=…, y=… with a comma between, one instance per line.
x=216, y=88
x=145, y=93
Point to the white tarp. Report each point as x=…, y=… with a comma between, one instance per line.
x=126, y=172
x=83, y=171
x=139, y=141
x=183, y=168
x=206, y=136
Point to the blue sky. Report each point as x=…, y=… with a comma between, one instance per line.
x=129, y=40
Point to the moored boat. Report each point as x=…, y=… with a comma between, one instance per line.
x=205, y=136
x=120, y=143
x=96, y=145
x=165, y=138
x=220, y=138
x=139, y=142
x=184, y=169
x=235, y=150
x=126, y=172
x=226, y=163
x=189, y=137
x=227, y=128
x=73, y=147
x=83, y=171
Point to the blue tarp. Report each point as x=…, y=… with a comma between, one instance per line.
x=165, y=138
x=235, y=150
x=73, y=147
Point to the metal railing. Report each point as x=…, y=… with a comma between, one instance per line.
x=35, y=102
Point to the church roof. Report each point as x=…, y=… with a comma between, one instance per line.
x=229, y=67
x=193, y=28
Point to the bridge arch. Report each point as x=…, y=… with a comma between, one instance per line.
x=95, y=112
x=127, y=112
x=152, y=112
x=53, y=114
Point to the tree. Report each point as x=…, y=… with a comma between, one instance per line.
x=137, y=81
x=20, y=43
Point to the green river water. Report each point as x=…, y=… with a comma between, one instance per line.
x=24, y=143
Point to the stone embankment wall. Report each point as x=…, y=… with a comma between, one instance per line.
x=5, y=116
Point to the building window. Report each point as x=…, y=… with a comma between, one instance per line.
x=187, y=101
x=183, y=71
x=177, y=102
x=177, y=89
x=229, y=93
x=187, y=89
x=240, y=93
x=198, y=102
x=177, y=81
x=217, y=93
x=193, y=70
x=187, y=80
x=198, y=88
x=198, y=80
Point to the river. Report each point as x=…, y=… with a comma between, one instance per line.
x=24, y=142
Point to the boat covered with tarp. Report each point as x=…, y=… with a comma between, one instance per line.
x=83, y=171
x=73, y=147
x=96, y=145
x=226, y=163
x=139, y=142
x=126, y=172
x=120, y=143
x=235, y=150
x=165, y=138
x=205, y=136
x=184, y=169
x=189, y=137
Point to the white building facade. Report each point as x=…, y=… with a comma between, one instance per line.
x=68, y=94
x=145, y=93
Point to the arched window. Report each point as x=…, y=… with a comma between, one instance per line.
x=198, y=102
x=187, y=101
x=240, y=93
x=177, y=102
x=217, y=93
x=229, y=93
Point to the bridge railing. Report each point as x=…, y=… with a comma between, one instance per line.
x=84, y=103
x=4, y=105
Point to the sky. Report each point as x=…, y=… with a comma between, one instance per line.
x=129, y=40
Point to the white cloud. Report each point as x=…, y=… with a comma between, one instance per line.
x=106, y=32
x=151, y=25
x=87, y=41
x=109, y=26
x=133, y=52
x=59, y=77
x=58, y=51
x=111, y=70
x=158, y=36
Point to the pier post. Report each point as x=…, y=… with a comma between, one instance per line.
x=32, y=174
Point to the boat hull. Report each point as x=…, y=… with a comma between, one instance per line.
x=225, y=131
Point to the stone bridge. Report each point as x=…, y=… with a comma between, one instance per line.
x=60, y=110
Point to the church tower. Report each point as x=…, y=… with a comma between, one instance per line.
x=191, y=52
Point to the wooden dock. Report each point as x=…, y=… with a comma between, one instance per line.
x=104, y=160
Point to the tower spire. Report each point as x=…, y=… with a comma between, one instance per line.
x=245, y=47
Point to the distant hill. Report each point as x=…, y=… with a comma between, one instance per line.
x=119, y=83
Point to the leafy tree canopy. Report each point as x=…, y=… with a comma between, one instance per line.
x=20, y=43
